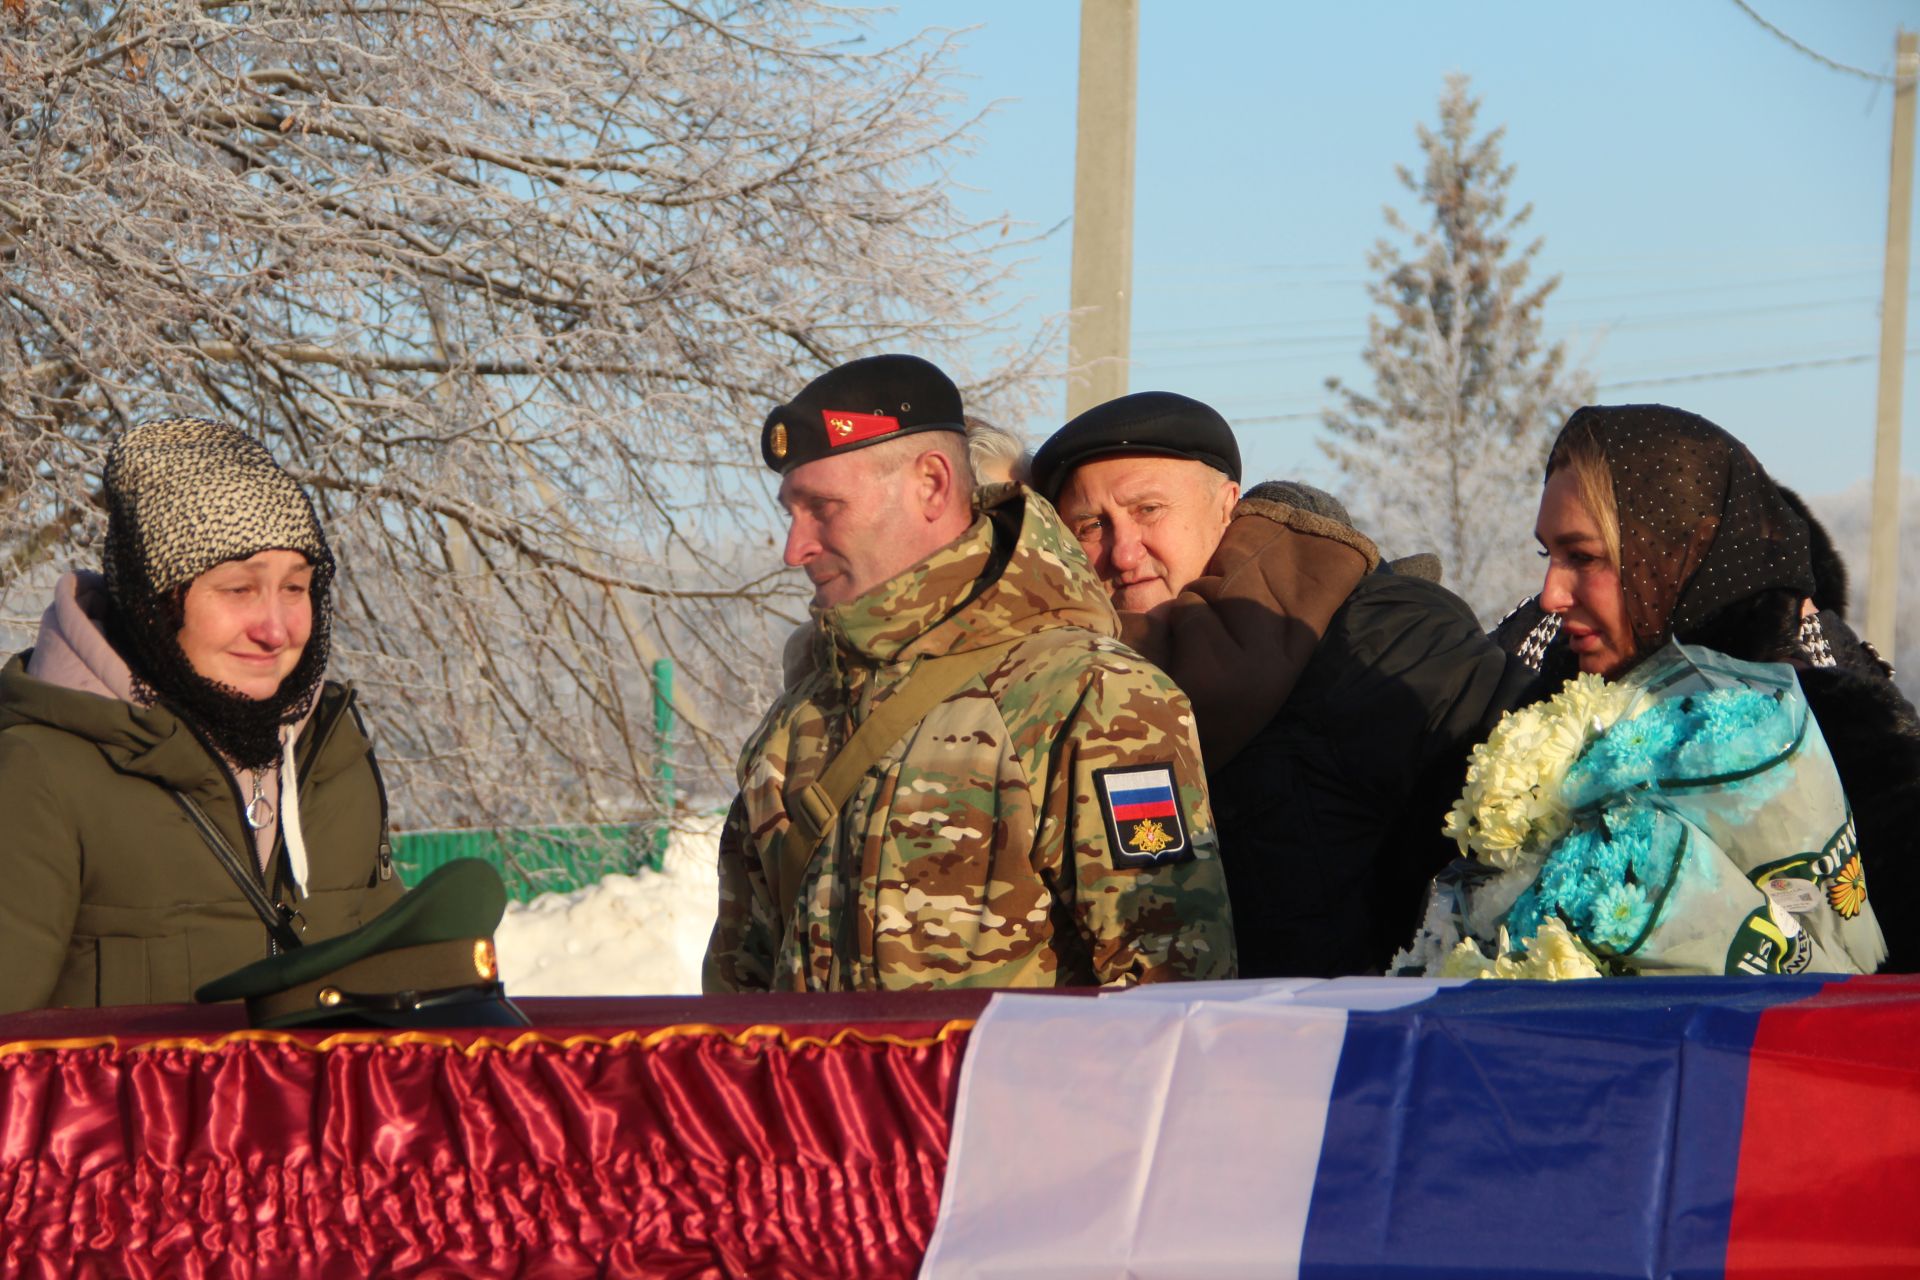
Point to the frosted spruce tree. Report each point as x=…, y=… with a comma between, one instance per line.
x=1443, y=454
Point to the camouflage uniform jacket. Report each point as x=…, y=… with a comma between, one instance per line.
x=981, y=850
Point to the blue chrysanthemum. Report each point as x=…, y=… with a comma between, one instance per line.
x=1609, y=859
x=1644, y=834
x=1734, y=730
x=1620, y=916
x=1562, y=873
x=1630, y=755
x=1525, y=916
x=1727, y=714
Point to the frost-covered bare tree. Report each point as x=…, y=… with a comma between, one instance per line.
x=1444, y=453
x=510, y=284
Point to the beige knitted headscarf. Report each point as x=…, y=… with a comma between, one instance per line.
x=183, y=495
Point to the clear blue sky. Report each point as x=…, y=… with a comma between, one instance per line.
x=1712, y=199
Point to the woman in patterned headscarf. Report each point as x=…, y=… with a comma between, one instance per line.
x=184, y=790
x=1657, y=525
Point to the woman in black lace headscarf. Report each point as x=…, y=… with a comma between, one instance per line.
x=1660, y=526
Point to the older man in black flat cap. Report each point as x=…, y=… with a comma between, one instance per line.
x=1336, y=698
x=973, y=782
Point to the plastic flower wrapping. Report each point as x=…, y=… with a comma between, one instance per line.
x=1685, y=819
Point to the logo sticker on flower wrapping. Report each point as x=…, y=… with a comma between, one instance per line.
x=1792, y=884
x=1141, y=806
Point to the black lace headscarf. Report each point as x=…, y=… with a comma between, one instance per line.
x=1705, y=535
x=183, y=495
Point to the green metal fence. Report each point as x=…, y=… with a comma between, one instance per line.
x=534, y=860
x=537, y=860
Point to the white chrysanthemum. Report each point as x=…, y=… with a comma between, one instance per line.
x=1554, y=955
x=1465, y=961
x=1511, y=802
x=1592, y=703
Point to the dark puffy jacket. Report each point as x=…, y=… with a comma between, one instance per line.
x=1330, y=818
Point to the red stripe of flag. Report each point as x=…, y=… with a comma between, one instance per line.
x=1829, y=1177
x=1146, y=809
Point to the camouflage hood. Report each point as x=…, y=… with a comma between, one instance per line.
x=1016, y=571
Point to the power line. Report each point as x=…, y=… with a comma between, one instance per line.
x=1693, y=259
x=1875, y=77
x=1262, y=338
x=1751, y=371
x=1560, y=305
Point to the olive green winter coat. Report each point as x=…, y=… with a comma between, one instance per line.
x=110, y=895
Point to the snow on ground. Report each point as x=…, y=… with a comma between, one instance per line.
x=639, y=935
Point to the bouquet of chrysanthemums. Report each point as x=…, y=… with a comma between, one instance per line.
x=1684, y=819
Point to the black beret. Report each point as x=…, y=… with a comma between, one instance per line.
x=860, y=403
x=1144, y=422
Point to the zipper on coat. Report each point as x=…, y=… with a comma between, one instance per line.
x=383, y=852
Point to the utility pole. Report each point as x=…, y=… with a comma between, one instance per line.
x=1883, y=555
x=1103, y=203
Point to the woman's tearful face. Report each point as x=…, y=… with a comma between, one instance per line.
x=245, y=623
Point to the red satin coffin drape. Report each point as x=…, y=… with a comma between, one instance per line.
x=795, y=1136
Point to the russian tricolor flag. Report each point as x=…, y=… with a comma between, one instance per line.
x=1140, y=793
x=1656, y=1127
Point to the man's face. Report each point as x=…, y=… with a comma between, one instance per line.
x=1148, y=523
x=851, y=523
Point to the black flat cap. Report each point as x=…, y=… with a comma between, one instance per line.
x=860, y=403
x=1144, y=422
x=425, y=961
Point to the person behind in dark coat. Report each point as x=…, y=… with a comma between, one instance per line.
x=1658, y=525
x=1336, y=698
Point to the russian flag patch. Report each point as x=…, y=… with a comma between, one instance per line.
x=1141, y=805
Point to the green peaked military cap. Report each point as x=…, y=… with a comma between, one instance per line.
x=427, y=960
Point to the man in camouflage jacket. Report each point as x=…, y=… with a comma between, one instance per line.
x=1046, y=825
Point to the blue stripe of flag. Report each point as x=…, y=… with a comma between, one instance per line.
x=1600, y=1135
x=1145, y=795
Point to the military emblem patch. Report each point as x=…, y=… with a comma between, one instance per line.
x=844, y=427
x=1141, y=805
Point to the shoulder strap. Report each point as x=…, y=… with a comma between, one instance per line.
x=276, y=918
x=812, y=810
